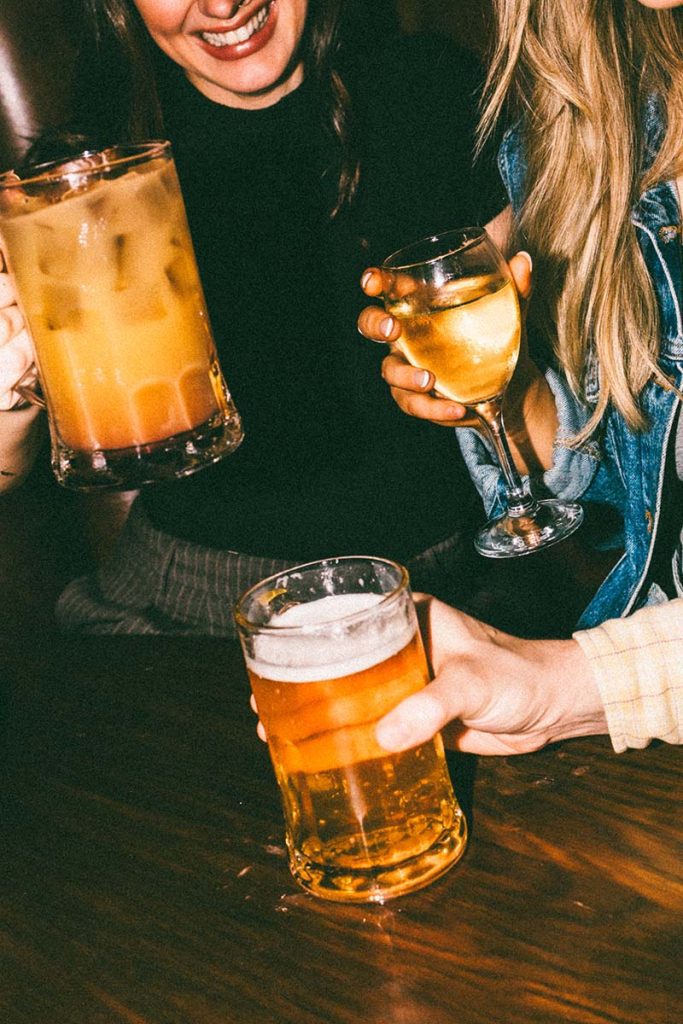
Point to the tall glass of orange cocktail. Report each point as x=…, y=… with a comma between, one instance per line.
x=100, y=251
x=330, y=647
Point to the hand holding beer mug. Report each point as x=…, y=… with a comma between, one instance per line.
x=330, y=647
x=100, y=252
x=456, y=301
x=17, y=359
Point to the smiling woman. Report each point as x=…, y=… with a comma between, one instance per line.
x=239, y=54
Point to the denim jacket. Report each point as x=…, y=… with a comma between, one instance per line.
x=623, y=469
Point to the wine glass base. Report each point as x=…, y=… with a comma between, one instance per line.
x=546, y=524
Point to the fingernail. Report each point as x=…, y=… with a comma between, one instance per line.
x=454, y=412
x=386, y=326
x=367, y=276
x=523, y=252
x=422, y=378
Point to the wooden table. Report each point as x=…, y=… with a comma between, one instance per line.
x=143, y=877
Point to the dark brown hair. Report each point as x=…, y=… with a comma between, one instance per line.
x=120, y=67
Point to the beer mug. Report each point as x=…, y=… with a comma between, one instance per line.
x=330, y=647
x=100, y=252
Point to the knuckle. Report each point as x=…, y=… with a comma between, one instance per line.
x=413, y=404
x=389, y=374
x=367, y=323
x=402, y=400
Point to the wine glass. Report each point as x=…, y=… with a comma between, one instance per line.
x=455, y=298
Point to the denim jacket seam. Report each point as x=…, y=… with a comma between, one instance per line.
x=667, y=273
x=589, y=448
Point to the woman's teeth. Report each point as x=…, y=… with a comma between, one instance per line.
x=239, y=35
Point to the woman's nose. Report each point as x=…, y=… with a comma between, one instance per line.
x=225, y=9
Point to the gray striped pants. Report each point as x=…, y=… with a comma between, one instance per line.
x=157, y=584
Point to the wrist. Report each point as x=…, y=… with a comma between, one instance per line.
x=531, y=420
x=16, y=420
x=579, y=707
x=20, y=438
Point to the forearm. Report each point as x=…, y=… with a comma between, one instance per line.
x=531, y=420
x=21, y=433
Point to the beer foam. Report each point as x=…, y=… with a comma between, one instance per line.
x=327, y=609
x=304, y=657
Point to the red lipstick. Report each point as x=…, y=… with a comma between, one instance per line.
x=236, y=51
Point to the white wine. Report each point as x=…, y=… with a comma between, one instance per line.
x=468, y=338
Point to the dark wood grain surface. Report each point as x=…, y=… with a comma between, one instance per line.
x=144, y=881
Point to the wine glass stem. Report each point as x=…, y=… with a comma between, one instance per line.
x=490, y=414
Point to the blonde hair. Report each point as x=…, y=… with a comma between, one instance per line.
x=580, y=74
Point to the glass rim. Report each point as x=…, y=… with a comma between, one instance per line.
x=469, y=236
x=125, y=153
x=253, y=627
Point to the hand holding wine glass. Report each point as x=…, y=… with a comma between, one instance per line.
x=458, y=308
x=412, y=388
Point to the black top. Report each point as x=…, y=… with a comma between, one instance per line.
x=329, y=465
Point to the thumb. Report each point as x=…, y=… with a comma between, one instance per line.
x=11, y=323
x=521, y=267
x=418, y=718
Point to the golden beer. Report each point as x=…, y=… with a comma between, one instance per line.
x=105, y=271
x=361, y=824
x=469, y=338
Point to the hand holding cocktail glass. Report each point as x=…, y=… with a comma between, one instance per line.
x=457, y=304
x=17, y=358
